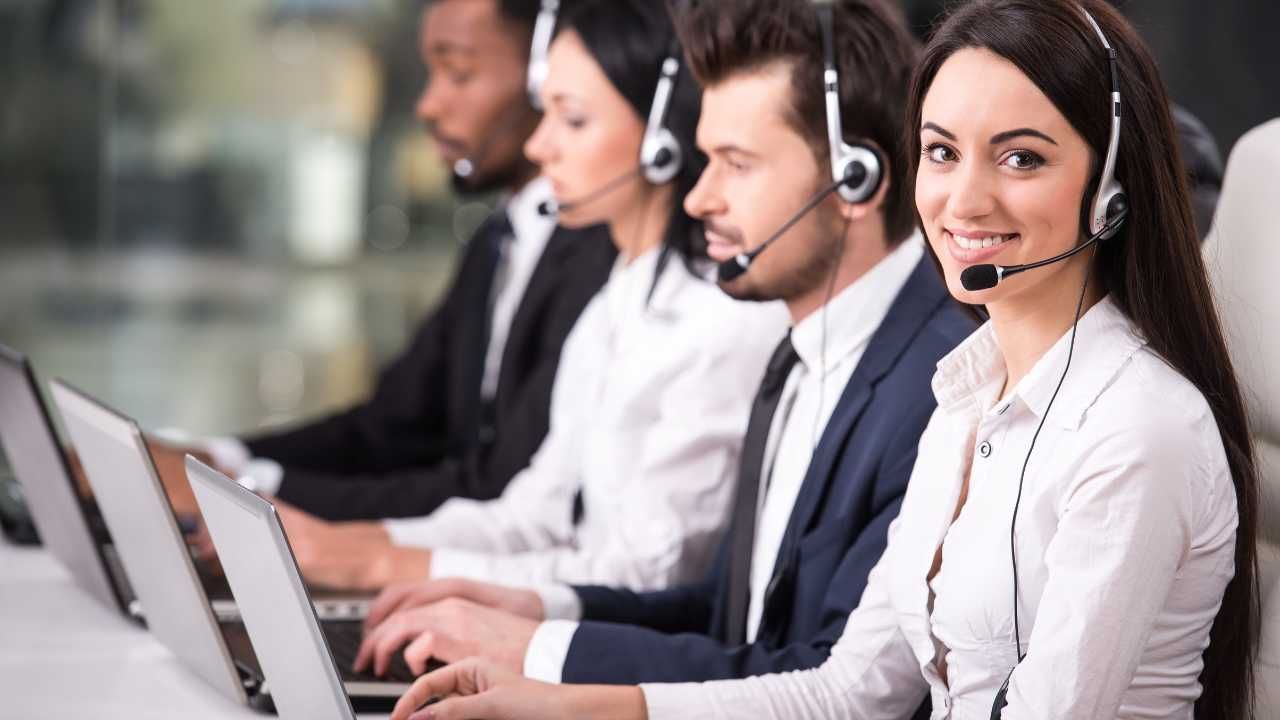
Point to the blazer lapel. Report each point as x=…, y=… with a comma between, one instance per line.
x=911, y=310
x=555, y=267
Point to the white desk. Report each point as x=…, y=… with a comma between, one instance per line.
x=64, y=656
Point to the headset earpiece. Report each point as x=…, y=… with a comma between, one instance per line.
x=544, y=27
x=1110, y=201
x=660, y=154
x=856, y=167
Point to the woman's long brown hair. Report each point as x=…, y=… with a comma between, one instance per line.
x=1153, y=269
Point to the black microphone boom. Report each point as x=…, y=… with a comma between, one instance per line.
x=551, y=208
x=987, y=275
x=731, y=270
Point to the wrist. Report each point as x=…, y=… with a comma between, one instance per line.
x=614, y=702
x=397, y=565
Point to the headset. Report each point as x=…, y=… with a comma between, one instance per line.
x=856, y=170
x=543, y=29
x=1107, y=211
x=661, y=157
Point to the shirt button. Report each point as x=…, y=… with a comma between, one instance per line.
x=984, y=449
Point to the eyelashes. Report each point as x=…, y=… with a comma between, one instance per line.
x=1029, y=160
x=937, y=153
x=1021, y=160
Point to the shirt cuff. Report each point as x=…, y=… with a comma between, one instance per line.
x=666, y=700
x=548, y=649
x=228, y=453
x=407, y=531
x=262, y=476
x=559, y=602
x=448, y=563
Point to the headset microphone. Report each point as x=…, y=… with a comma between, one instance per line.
x=731, y=270
x=987, y=276
x=1107, y=209
x=856, y=171
x=551, y=208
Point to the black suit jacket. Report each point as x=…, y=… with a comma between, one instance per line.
x=838, y=528
x=423, y=437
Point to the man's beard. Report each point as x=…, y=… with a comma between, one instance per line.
x=812, y=274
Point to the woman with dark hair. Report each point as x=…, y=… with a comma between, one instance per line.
x=1077, y=540
x=632, y=484
x=612, y=58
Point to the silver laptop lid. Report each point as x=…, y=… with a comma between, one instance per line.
x=32, y=447
x=146, y=534
x=277, y=611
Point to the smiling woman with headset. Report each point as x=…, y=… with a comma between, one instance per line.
x=632, y=484
x=1077, y=540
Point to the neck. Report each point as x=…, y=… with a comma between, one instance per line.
x=1028, y=324
x=524, y=173
x=865, y=245
x=643, y=225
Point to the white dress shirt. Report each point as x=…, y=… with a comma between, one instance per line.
x=519, y=257
x=647, y=415
x=808, y=399
x=516, y=263
x=1125, y=543
x=810, y=396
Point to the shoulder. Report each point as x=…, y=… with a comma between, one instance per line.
x=945, y=326
x=1154, y=430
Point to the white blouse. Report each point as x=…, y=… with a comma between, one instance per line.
x=1125, y=544
x=647, y=416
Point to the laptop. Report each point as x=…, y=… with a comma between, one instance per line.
x=155, y=557
x=308, y=669
x=69, y=525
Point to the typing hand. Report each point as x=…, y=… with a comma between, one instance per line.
x=349, y=555
x=479, y=690
x=449, y=630
x=402, y=596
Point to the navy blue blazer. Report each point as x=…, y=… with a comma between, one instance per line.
x=836, y=534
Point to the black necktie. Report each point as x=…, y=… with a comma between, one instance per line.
x=492, y=235
x=745, y=504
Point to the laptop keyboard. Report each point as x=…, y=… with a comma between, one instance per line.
x=344, y=642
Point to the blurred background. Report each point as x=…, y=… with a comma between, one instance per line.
x=221, y=214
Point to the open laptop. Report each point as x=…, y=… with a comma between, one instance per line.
x=70, y=526
x=155, y=556
x=307, y=667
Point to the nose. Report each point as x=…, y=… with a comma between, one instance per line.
x=971, y=194
x=705, y=199
x=538, y=148
x=430, y=103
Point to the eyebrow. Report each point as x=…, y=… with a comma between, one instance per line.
x=450, y=47
x=938, y=129
x=1020, y=132
x=727, y=148
x=995, y=139
x=562, y=98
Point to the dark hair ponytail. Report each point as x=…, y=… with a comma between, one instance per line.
x=1153, y=269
